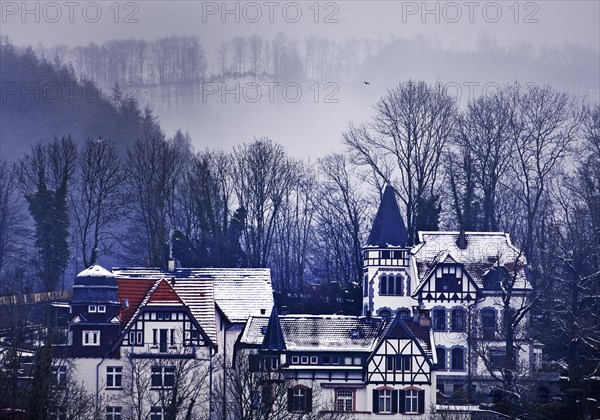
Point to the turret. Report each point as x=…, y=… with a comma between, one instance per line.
x=94, y=325
x=388, y=281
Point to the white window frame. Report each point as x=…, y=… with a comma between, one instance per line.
x=101, y=309
x=344, y=400
x=411, y=401
x=114, y=412
x=60, y=373
x=92, y=309
x=385, y=397
x=314, y=360
x=114, y=372
x=295, y=360
x=304, y=360
x=90, y=338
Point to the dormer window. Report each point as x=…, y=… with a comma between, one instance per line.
x=102, y=308
x=92, y=309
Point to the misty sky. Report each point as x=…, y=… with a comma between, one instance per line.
x=306, y=128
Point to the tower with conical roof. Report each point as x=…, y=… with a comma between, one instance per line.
x=388, y=271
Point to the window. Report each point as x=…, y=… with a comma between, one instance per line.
x=157, y=413
x=91, y=338
x=448, y=283
x=313, y=360
x=299, y=400
x=404, y=313
x=385, y=400
x=498, y=359
x=136, y=338
x=295, y=360
x=270, y=362
x=344, y=400
x=458, y=319
x=304, y=360
x=399, y=363
x=439, y=319
x=391, y=285
x=92, y=309
x=488, y=323
x=366, y=286
x=114, y=376
x=326, y=360
x=411, y=401
x=385, y=313
x=163, y=376
x=441, y=357
x=114, y=413
x=458, y=360
x=102, y=308
x=59, y=373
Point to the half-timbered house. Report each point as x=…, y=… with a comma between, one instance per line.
x=365, y=366
x=458, y=277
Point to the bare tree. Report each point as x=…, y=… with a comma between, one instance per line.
x=262, y=176
x=484, y=138
x=13, y=232
x=408, y=133
x=153, y=170
x=260, y=393
x=293, y=232
x=543, y=128
x=95, y=198
x=340, y=222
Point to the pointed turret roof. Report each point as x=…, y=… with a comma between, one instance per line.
x=388, y=227
x=273, y=340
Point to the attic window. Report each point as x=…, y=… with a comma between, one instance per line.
x=355, y=334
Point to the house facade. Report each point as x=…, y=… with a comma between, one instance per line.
x=156, y=344
x=329, y=366
x=473, y=284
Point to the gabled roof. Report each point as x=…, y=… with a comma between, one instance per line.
x=318, y=332
x=238, y=292
x=410, y=329
x=273, y=340
x=443, y=257
x=162, y=293
x=388, y=226
x=483, y=250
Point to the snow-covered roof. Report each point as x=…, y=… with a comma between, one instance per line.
x=95, y=271
x=238, y=292
x=483, y=251
x=319, y=332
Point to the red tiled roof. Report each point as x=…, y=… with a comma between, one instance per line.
x=134, y=292
x=164, y=293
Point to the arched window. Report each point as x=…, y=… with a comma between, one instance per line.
x=441, y=357
x=458, y=359
x=488, y=323
x=439, y=319
x=344, y=400
x=458, y=319
x=403, y=313
x=383, y=285
x=399, y=286
x=385, y=313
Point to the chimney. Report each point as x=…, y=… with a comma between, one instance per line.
x=284, y=310
x=461, y=242
x=263, y=311
x=172, y=280
x=171, y=265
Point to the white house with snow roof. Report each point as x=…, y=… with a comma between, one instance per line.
x=466, y=281
x=361, y=367
x=139, y=336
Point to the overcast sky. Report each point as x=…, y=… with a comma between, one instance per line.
x=452, y=24
x=307, y=128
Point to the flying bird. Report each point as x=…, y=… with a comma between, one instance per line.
x=366, y=83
